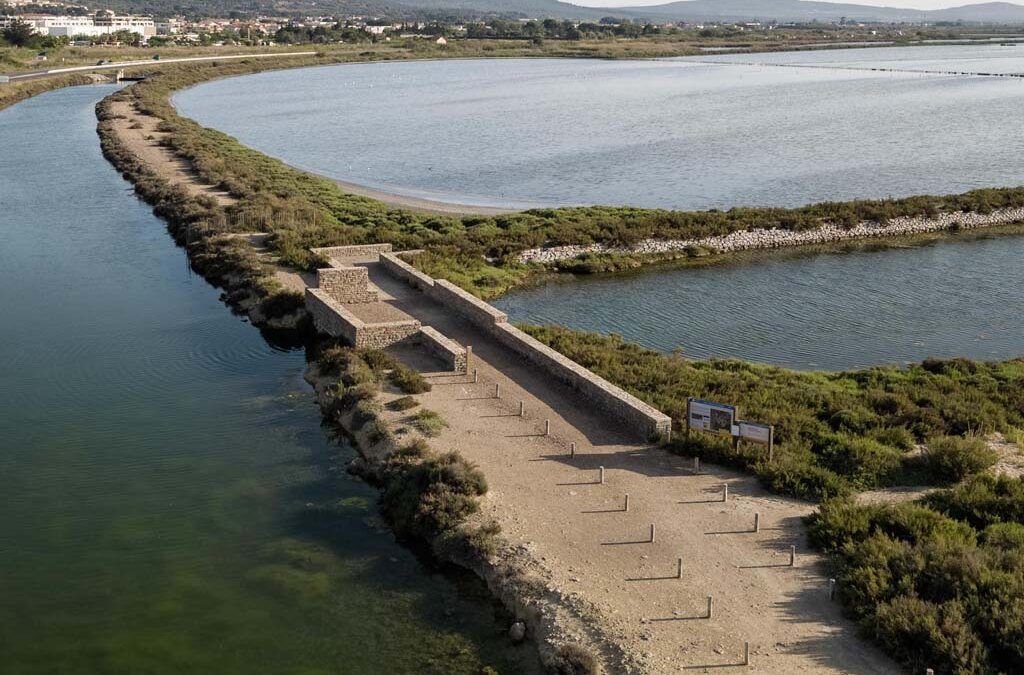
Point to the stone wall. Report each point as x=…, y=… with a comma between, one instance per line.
x=602, y=394
x=346, y=284
x=639, y=417
x=400, y=269
x=466, y=304
x=331, y=317
x=449, y=351
x=363, y=253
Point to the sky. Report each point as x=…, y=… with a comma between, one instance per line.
x=910, y=4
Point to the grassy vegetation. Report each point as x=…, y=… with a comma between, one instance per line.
x=836, y=433
x=939, y=584
x=425, y=495
x=478, y=253
x=429, y=422
x=12, y=93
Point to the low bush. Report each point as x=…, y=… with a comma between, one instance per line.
x=835, y=432
x=428, y=422
x=403, y=404
x=432, y=495
x=408, y=380
x=572, y=659
x=950, y=458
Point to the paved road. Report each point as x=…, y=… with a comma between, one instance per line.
x=14, y=77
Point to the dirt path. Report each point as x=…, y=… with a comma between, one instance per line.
x=577, y=529
x=140, y=134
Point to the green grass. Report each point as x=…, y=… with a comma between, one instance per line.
x=836, y=433
x=429, y=423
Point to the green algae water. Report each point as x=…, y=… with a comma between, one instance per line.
x=168, y=500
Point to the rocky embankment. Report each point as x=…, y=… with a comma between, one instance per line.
x=777, y=238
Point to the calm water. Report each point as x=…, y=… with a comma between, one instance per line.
x=157, y=457
x=829, y=311
x=676, y=133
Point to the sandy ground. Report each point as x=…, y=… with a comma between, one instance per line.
x=139, y=133
x=579, y=531
x=427, y=206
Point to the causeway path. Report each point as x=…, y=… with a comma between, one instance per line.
x=577, y=530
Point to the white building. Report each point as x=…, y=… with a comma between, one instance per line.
x=103, y=23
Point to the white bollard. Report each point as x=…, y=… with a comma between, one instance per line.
x=725, y=493
x=746, y=653
x=831, y=589
x=711, y=607
x=679, y=568
x=792, y=556
x=600, y=475
x=522, y=408
x=475, y=376
x=626, y=505
x=497, y=390
x=547, y=427
x=757, y=522
x=652, y=533
x=572, y=449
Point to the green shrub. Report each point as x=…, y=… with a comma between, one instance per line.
x=982, y=501
x=926, y=635
x=1006, y=536
x=366, y=411
x=572, y=659
x=408, y=380
x=433, y=495
x=403, y=404
x=951, y=458
x=332, y=360
x=356, y=395
x=428, y=422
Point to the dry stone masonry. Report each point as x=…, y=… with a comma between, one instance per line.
x=776, y=238
x=341, y=284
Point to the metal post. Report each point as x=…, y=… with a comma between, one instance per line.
x=522, y=408
x=757, y=522
x=679, y=568
x=725, y=492
x=696, y=464
x=746, y=653
x=572, y=449
x=711, y=607
x=929, y=671
x=625, y=507
x=475, y=376
x=497, y=390
x=600, y=478
x=469, y=355
x=547, y=427
x=831, y=589
x=652, y=533
x=771, y=443
x=792, y=556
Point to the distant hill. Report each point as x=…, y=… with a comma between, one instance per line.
x=807, y=10
x=682, y=10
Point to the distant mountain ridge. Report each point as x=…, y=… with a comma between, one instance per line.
x=809, y=10
x=738, y=10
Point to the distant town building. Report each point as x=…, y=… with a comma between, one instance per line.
x=101, y=23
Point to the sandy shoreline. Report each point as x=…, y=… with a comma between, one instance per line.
x=415, y=203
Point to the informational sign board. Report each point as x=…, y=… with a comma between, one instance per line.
x=755, y=433
x=710, y=416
